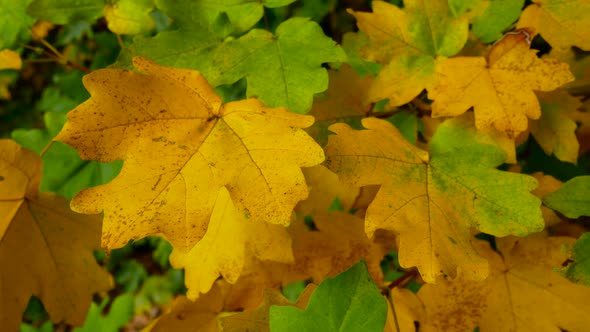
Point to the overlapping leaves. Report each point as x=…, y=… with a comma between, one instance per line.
x=434, y=200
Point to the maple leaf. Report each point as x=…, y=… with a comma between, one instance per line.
x=522, y=293
x=555, y=131
x=56, y=264
x=406, y=42
x=10, y=59
x=433, y=201
x=223, y=249
x=281, y=69
x=499, y=87
x=180, y=146
x=562, y=24
x=347, y=302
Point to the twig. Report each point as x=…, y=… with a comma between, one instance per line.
x=60, y=59
x=407, y=276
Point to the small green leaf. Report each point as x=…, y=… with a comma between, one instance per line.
x=579, y=270
x=572, y=199
x=348, y=302
x=283, y=69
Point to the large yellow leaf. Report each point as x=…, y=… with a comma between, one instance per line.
x=434, y=200
x=562, y=24
x=522, y=293
x=45, y=249
x=499, y=87
x=180, y=146
x=229, y=240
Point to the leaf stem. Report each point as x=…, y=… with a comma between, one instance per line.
x=120, y=41
x=406, y=277
x=46, y=148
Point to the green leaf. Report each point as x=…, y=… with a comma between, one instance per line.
x=283, y=69
x=579, y=270
x=190, y=48
x=572, y=199
x=120, y=313
x=241, y=14
x=348, y=302
x=407, y=123
x=63, y=170
x=66, y=11
x=497, y=17
x=14, y=20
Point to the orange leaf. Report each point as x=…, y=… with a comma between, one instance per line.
x=45, y=249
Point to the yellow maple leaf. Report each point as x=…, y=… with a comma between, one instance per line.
x=180, y=146
x=432, y=201
x=522, y=293
x=499, y=87
x=562, y=24
x=406, y=41
x=229, y=239
x=45, y=249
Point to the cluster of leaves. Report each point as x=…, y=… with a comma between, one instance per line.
x=295, y=165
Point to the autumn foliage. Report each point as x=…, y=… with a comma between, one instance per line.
x=388, y=173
